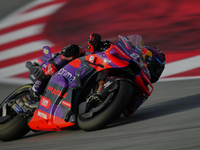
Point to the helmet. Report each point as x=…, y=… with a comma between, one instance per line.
x=72, y=51
x=94, y=42
x=155, y=60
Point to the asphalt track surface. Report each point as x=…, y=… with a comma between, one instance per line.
x=168, y=120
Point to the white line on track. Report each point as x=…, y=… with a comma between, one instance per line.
x=178, y=78
x=24, y=49
x=20, y=18
x=181, y=66
x=17, y=17
x=22, y=33
x=14, y=69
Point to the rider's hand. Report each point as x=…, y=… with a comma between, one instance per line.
x=93, y=41
x=50, y=70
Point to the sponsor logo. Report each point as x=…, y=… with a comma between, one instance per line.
x=41, y=114
x=24, y=99
x=125, y=50
x=67, y=75
x=56, y=92
x=144, y=51
x=92, y=59
x=122, y=47
x=37, y=84
x=24, y=108
x=46, y=51
x=65, y=103
x=45, y=102
x=50, y=70
x=16, y=108
x=135, y=56
x=64, y=96
x=120, y=51
x=53, y=91
x=107, y=84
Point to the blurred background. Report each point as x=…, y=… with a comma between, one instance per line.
x=28, y=25
x=166, y=24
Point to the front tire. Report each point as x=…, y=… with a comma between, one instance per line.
x=119, y=103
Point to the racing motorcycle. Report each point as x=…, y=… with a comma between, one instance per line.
x=90, y=91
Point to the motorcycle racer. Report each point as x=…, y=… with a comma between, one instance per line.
x=67, y=54
x=153, y=56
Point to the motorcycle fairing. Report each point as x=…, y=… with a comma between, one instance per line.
x=49, y=116
x=44, y=121
x=142, y=82
x=113, y=57
x=134, y=50
x=74, y=76
x=56, y=102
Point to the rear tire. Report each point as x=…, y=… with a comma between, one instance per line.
x=16, y=126
x=14, y=129
x=103, y=118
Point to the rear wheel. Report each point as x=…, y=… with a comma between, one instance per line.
x=13, y=126
x=113, y=109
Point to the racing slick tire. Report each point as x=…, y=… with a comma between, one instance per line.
x=121, y=99
x=13, y=126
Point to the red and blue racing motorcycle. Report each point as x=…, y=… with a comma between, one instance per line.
x=90, y=91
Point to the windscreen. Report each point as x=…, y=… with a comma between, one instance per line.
x=136, y=40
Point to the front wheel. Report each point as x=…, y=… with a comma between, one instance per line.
x=13, y=126
x=119, y=102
